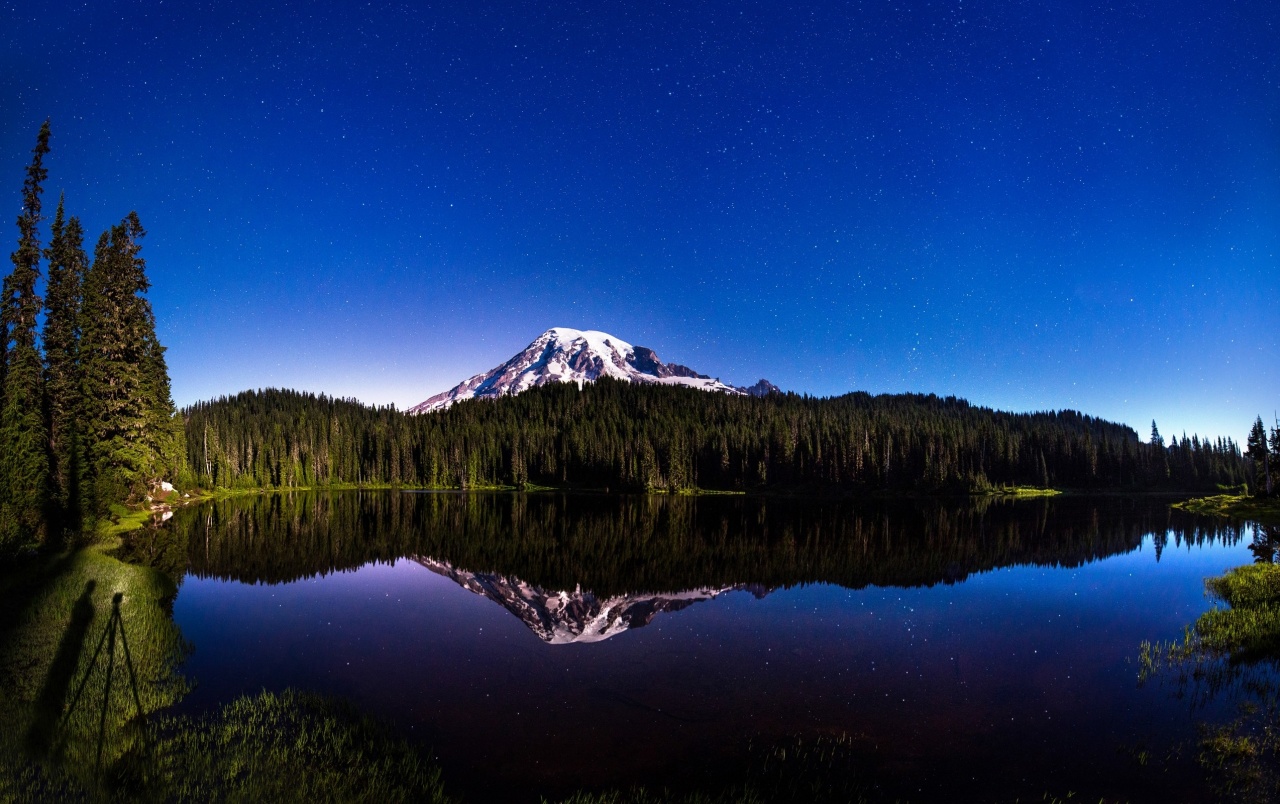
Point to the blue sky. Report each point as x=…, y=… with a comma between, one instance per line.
x=1030, y=205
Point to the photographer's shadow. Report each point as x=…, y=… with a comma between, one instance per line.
x=49, y=731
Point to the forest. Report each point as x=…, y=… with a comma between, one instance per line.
x=87, y=421
x=86, y=416
x=615, y=436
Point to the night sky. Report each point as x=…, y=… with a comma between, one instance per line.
x=1030, y=205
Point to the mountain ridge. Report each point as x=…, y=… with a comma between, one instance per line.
x=563, y=354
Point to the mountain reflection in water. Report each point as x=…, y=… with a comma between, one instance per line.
x=646, y=544
x=564, y=617
x=968, y=648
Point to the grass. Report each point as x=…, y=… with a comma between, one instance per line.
x=532, y=487
x=1021, y=491
x=1246, y=629
x=87, y=653
x=708, y=493
x=123, y=520
x=1235, y=506
x=1234, y=647
x=292, y=746
x=88, y=669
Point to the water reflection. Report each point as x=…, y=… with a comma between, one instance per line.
x=968, y=649
x=1265, y=544
x=561, y=617
x=614, y=546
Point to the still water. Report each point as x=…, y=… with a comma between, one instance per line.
x=980, y=651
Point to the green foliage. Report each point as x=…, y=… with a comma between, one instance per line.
x=91, y=422
x=68, y=265
x=1259, y=451
x=86, y=647
x=116, y=326
x=24, y=467
x=1233, y=650
x=1234, y=506
x=617, y=436
x=24, y=443
x=286, y=747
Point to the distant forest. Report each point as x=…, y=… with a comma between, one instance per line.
x=624, y=437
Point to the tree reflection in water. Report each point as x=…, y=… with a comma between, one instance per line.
x=626, y=545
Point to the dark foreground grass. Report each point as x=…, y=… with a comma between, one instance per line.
x=287, y=747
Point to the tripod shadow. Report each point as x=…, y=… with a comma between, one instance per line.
x=54, y=738
x=53, y=694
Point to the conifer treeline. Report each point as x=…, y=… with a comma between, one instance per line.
x=1263, y=452
x=620, y=436
x=86, y=416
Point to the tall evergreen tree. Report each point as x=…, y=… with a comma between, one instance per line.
x=1273, y=457
x=1256, y=449
x=165, y=434
x=109, y=364
x=128, y=412
x=24, y=443
x=61, y=336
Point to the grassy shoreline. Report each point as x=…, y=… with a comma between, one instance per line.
x=201, y=495
x=1234, y=506
x=1232, y=650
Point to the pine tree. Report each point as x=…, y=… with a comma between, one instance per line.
x=1256, y=449
x=128, y=412
x=110, y=364
x=165, y=433
x=24, y=443
x=1273, y=458
x=61, y=336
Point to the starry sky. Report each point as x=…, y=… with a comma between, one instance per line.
x=1033, y=205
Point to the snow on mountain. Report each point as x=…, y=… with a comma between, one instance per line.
x=571, y=355
x=563, y=617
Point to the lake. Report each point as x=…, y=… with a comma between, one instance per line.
x=541, y=643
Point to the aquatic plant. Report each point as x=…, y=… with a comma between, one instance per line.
x=1233, y=650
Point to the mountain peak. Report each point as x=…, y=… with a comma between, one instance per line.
x=564, y=354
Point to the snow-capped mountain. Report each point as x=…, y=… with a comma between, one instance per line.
x=571, y=355
x=563, y=617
